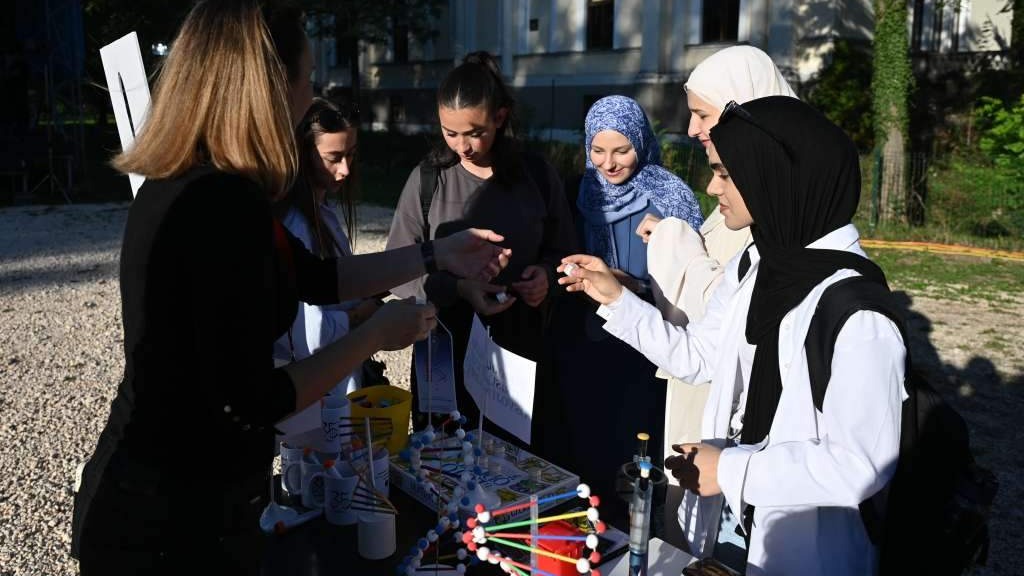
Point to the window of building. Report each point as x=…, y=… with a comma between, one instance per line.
x=600, y=24
x=721, y=20
x=400, y=43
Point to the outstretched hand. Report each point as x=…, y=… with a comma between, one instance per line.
x=696, y=468
x=591, y=276
x=472, y=254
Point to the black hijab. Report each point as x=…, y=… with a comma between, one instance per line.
x=799, y=175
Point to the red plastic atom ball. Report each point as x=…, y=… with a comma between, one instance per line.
x=595, y=501
x=467, y=537
x=600, y=527
x=594, y=572
x=471, y=522
x=595, y=557
x=471, y=546
x=479, y=508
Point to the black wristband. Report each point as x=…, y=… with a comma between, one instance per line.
x=429, y=262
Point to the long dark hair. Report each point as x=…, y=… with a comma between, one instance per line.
x=323, y=117
x=478, y=82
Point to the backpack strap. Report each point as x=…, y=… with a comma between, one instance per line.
x=428, y=184
x=840, y=301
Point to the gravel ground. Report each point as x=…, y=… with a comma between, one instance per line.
x=61, y=360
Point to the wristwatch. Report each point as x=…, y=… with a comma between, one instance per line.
x=429, y=262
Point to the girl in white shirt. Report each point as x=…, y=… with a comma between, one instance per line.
x=795, y=473
x=327, y=140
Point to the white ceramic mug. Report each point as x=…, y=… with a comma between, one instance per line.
x=291, y=473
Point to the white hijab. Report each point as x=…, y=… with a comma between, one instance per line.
x=740, y=73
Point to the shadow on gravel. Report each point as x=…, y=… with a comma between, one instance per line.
x=993, y=406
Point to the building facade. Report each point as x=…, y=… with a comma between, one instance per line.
x=562, y=55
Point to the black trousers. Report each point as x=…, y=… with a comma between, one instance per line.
x=132, y=528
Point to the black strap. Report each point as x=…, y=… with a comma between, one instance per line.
x=840, y=301
x=428, y=184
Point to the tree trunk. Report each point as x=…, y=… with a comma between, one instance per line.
x=355, y=74
x=890, y=92
x=894, y=180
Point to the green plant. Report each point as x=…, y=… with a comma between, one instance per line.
x=838, y=91
x=1002, y=132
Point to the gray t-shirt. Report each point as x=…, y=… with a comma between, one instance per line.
x=537, y=226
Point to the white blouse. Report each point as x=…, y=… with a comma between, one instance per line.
x=812, y=471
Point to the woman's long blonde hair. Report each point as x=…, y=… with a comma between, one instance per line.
x=221, y=97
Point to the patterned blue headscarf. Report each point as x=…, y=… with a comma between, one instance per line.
x=602, y=203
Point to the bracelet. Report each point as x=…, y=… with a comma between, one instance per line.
x=427, y=251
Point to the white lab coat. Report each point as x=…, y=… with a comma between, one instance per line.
x=810, y=474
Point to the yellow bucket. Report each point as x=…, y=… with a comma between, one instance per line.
x=398, y=411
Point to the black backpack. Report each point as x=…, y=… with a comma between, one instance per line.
x=935, y=514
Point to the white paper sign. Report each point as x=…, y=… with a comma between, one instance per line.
x=435, y=371
x=501, y=383
x=129, y=91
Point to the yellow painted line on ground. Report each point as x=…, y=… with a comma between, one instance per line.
x=944, y=249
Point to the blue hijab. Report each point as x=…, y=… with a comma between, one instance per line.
x=602, y=203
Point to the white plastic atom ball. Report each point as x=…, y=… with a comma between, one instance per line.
x=431, y=536
x=419, y=556
x=583, y=565
x=592, y=514
x=468, y=459
x=410, y=570
x=461, y=554
x=505, y=567
x=453, y=506
x=455, y=523
x=465, y=476
x=592, y=541
x=478, y=532
x=461, y=568
x=484, y=516
x=482, y=553
x=569, y=268
x=494, y=558
x=467, y=447
x=460, y=434
x=459, y=492
x=429, y=435
x=445, y=522
x=583, y=491
x=454, y=415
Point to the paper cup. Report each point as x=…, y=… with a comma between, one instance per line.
x=312, y=483
x=338, y=495
x=332, y=409
x=376, y=535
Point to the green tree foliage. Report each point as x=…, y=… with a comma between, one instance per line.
x=1002, y=137
x=838, y=90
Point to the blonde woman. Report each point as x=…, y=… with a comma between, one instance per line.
x=209, y=280
x=686, y=265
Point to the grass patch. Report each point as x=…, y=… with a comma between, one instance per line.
x=952, y=277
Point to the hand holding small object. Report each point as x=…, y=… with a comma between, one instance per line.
x=590, y=275
x=399, y=323
x=696, y=467
x=647, y=226
x=483, y=297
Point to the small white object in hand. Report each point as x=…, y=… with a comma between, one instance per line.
x=569, y=268
x=501, y=297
